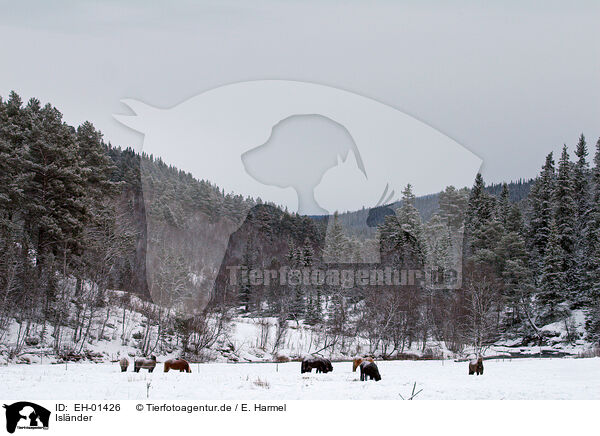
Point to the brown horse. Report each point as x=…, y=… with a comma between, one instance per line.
x=124, y=363
x=177, y=364
x=356, y=362
x=476, y=366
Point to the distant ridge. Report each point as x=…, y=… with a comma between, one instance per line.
x=427, y=205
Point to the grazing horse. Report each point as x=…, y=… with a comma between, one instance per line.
x=124, y=363
x=356, y=362
x=476, y=366
x=177, y=364
x=319, y=363
x=369, y=369
x=149, y=364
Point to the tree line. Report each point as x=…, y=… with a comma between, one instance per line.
x=79, y=216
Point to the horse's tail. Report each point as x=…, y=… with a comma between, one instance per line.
x=167, y=366
x=187, y=367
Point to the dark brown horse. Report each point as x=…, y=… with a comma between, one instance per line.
x=149, y=364
x=319, y=363
x=369, y=369
x=476, y=366
x=177, y=364
x=356, y=362
x=124, y=363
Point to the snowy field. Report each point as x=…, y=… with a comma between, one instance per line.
x=508, y=379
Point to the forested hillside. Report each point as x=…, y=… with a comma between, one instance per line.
x=79, y=217
x=356, y=223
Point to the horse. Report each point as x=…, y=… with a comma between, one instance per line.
x=149, y=364
x=476, y=366
x=177, y=364
x=369, y=369
x=356, y=362
x=319, y=363
x=124, y=363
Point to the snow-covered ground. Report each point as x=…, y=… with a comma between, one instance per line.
x=544, y=378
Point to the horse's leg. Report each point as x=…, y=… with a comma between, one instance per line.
x=150, y=369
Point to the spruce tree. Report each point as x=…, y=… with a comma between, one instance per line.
x=565, y=216
x=581, y=173
x=336, y=246
x=480, y=235
x=553, y=277
x=480, y=206
x=592, y=264
x=245, y=288
x=541, y=212
x=503, y=208
x=581, y=191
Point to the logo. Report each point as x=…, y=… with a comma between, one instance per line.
x=309, y=148
x=26, y=415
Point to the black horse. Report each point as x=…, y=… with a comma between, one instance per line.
x=319, y=363
x=369, y=369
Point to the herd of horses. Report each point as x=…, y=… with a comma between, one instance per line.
x=149, y=364
x=368, y=367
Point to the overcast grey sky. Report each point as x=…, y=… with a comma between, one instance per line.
x=510, y=82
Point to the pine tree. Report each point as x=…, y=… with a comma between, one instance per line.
x=453, y=205
x=55, y=209
x=6, y=155
x=96, y=166
x=14, y=124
